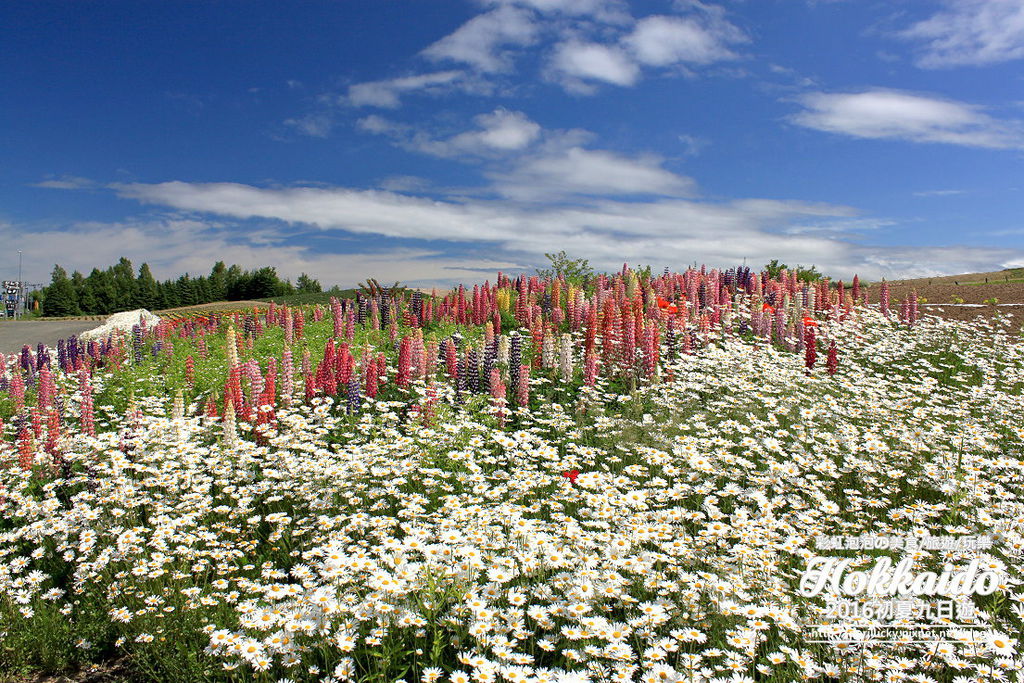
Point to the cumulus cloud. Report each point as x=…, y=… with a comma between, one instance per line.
x=575, y=62
x=578, y=171
x=701, y=36
x=501, y=130
x=496, y=134
x=387, y=93
x=480, y=40
x=667, y=40
x=906, y=116
x=167, y=244
x=970, y=33
x=660, y=231
x=531, y=164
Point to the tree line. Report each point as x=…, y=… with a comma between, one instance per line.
x=119, y=288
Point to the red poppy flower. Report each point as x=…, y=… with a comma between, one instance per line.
x=810, y=322
x=667, y=306
x=571, y=475
x=770, y=309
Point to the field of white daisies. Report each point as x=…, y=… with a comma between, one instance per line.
x=456, y=494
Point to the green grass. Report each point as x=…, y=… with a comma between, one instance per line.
x=312, y=297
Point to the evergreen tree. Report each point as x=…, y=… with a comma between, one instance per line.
x=87, y=300
x=186, y=291
x=60, y=298
x=123, y=276
x=307, y=285
x=219, y=282
x=147, y=294
x=101, y=288
x=169, y=295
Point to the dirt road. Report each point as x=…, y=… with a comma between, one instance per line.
x=16, y=333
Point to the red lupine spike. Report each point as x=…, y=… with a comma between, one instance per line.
x=810, y=348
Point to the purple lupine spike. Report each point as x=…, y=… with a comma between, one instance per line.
x=137, y=342
x=515, y=359
x=490, y=358
x=354, y=399
x=27, y=362
x=461, y=384
x=473, y=371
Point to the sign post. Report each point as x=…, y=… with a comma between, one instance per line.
x=12, y=294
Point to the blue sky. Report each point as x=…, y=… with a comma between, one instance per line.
x=438, y=141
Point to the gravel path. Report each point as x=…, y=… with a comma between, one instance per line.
x=16, y=333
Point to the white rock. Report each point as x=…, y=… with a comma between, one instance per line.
x=121, y=322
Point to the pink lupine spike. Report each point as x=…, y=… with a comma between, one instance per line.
x=404, y=363
x=590, y=369
x=336, y=317
x=26, y=449
x=52, y=432
x=523, y=386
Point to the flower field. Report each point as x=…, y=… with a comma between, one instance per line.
x=534, y=480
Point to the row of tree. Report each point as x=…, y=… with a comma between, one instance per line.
x=119, y=288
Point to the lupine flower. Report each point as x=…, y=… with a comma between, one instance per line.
x=231, y=345
x=404, y=363
x=52, y=432
x=336, y=318
x=230, y=433
x=26, y=449
x=565, y=357
x=16, y=390
x=523, y=386
x=810, y=348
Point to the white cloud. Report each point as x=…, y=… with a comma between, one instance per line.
x=499, y=132
x=906, y=116
x=574, y=62
x=970, y=32
x=387, y=93
x=701, y=36
x=911, y=262
x=378, y=125
x=313, y=125
x=665, y=40
x=478, y=42
x=661, y=232
x=578, y=171
x=938, y=193
x=611, y=11
x=66, y=182
x=168, y=246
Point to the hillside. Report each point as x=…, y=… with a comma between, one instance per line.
x=962, y=296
